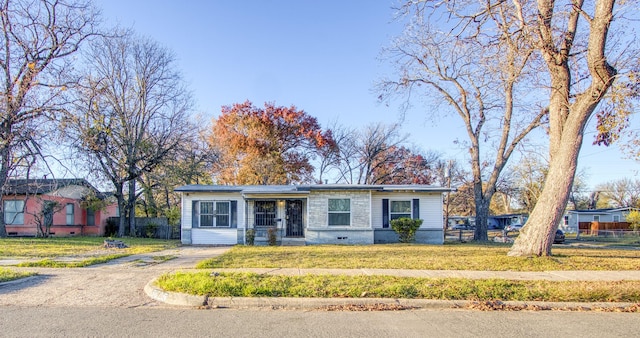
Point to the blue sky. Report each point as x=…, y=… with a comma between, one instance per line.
x=321, y=56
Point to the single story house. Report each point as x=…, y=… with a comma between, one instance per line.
x=572, y=218
x=502, y=221
x=308, y=214
x=24, y=200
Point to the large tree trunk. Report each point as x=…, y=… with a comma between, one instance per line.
x=121, y=207
x=482, y=199
x=568, y=115
x=122, y=211
x=482, y=215
x=4, y=173
x=131, y=206
x=536, y=237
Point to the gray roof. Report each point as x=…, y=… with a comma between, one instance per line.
x=298, y=189
x=43, y=186
x=40, y=186
x=602, y=211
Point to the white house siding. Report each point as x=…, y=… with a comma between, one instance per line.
x=211, y=236
x=430, y=207
x=318, y=229
x=572, y=226
x=587, y=216
x=431, y=230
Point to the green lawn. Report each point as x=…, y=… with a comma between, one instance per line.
x=492, y=257
x=328, y=286
x=401, y=256
x=77, y=251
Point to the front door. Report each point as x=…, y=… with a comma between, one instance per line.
x=294, y=218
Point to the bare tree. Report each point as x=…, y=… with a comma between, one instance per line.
x=131, y=114
x=621, y=193
x=474, y=59
x=190, y=164
x=574, y=41
x=344, y=159
x=38, y=39
x=373, y=146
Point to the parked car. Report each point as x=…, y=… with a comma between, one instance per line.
x=559, y=239
x=513, y=227
x=462, y=227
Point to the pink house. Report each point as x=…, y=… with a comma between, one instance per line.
x=62, y=203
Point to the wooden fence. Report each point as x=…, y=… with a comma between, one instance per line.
x=595, y=228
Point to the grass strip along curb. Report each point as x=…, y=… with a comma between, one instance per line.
x=332, y=286
x=7, y=275
x=50, y=263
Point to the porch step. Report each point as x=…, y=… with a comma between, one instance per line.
x=293, y=242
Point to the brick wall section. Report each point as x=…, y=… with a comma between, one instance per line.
x=360, y=209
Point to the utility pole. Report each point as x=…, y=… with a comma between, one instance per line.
x=447, y=176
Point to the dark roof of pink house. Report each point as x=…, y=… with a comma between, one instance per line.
x=41, y=186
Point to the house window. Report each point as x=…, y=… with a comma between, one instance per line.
x=223, y=212
x=215, y=214
x=69, y=213
x=616, y=218
x=265, y=213
x=566, y=220
x=596, y=218
x=14, y=212
x=400, y=209
x=207, y=214
x=91, y=217
x=339, y=211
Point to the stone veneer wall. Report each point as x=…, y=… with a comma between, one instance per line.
x=318, y=229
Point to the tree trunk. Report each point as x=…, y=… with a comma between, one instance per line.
x=482, y=216
x=122, y=211
x=131, y=206
x=536, y=237
x=4, y=173
x=121, y=207
x=567, y=119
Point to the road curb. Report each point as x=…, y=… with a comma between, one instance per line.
x=290, y=303
x=173, y=298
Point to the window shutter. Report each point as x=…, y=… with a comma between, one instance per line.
x=416, y=208
x=234, y=214
x=194, y=214
x=385, y=213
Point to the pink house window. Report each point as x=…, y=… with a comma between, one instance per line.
x=13, y=212
x=70, y=215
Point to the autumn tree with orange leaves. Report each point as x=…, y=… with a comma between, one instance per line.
x=270, y=145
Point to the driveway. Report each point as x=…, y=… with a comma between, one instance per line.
x=119, y=283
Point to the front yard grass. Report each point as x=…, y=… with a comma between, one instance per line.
x=482, y=257
x=328, y=286
x=398, y=256
x=9, y=275
x=61, y=252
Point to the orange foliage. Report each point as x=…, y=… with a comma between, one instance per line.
x=270, y=145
